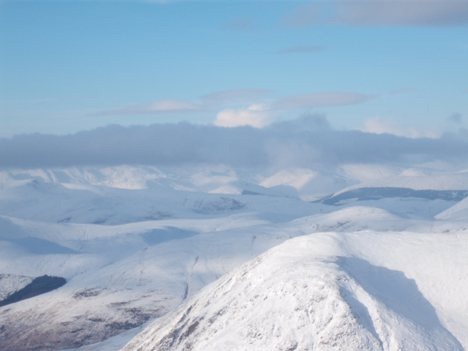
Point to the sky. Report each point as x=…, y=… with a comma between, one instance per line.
x=378, y=66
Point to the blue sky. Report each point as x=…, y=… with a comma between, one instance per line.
x=73, y=65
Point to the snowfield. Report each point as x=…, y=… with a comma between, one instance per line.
x=209, y=257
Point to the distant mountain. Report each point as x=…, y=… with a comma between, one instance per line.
x=378, y=193
x=134, y=243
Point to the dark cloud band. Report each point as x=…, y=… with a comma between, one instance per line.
x=302, y=142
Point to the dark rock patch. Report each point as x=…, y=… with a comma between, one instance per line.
x=38, y=286
x=377, y=193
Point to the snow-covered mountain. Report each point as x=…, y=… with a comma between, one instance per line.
x=330, y=291
x=136, y=243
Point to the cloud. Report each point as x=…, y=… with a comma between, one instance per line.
x=382, y=13
x=456, y=119
x=171, y=106
x=304, y=15
x=231, y=100
x=204, y=103
x=308, y=122
x=382, y=126
x=404, y=13
x=322, y=99
x=301, y=49
x=234, y=96
x=156, y=107
x=299, y=143
x=254, y=116
x=259, y=115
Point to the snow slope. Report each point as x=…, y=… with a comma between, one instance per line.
x=134, y=243
x=331, y=291
x=9, y=283
x=455, y=213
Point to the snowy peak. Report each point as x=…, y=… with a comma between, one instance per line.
x=309, y=293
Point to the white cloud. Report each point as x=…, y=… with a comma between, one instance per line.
x=255, y=115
